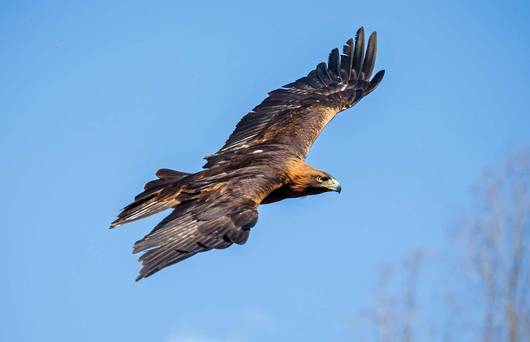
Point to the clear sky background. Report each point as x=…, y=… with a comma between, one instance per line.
x=96, y=96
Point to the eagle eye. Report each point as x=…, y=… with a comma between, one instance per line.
x=322, y=179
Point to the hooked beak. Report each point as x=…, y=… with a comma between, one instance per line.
x=334, y=185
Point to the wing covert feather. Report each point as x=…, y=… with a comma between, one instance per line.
x=296, y=113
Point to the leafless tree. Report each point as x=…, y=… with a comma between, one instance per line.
x=411, y=267
x=497, y=246
x=491, y=300
x=394, y=312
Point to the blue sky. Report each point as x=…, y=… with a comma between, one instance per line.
x=96, y=96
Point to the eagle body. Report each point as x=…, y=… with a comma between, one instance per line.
x=263, y=161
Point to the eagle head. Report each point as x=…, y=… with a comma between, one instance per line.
x=310, y=181
x=321, y=181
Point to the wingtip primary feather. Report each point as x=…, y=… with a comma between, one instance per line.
x=378, y=76
x=370, y=56
x=334, y=63
x=375, y=81
x=358, y=54
x=346, y=60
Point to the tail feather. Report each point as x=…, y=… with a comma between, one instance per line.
x=153, y=200
x=173, y=174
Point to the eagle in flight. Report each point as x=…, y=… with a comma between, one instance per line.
x=261, y=162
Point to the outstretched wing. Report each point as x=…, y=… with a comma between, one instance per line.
x=219, y=211
x=295, y=114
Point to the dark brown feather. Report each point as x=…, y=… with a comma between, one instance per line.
x=295, y=114
x=221, y=213
x=261, y=162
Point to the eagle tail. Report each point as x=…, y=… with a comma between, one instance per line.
x=149, y=202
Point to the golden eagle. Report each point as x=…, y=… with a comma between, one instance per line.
x=261, y=162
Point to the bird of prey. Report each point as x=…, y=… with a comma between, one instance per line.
x=261, y=162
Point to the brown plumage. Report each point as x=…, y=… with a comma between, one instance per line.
x=261, y=162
